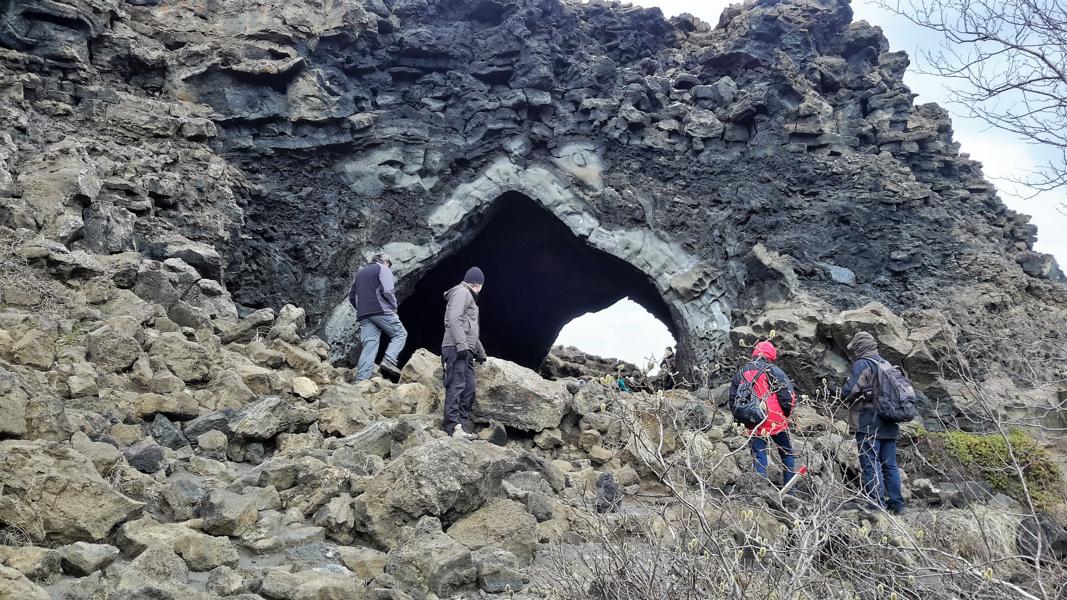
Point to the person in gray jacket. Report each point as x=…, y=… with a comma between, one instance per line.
x=374, y=299
x=459, y=349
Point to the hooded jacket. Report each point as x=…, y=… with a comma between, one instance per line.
x=858, y=392
x=763, y=371
x=462, y=329
x=373, y=292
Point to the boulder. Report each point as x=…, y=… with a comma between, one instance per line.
x=270, y=416
x=428, y=561
x=226, y=582
x=425, y=367
x=367, y=563
x=1042, y=531
x=167, y=433
x=35, y=349
x=444, y=478
x=502, y=523
x=111, y=349
x=249, y=327
x=204, y=552
x=188, y=360
x=179, y=405
x=227, y=513
x=81, y=558
x=330, y=582
x=103, y=455
x=498, y=571
x=518, y=397
x=145, y=457
x=876, y=319
x=404, y=399
x=37, y=564
x=54, y=493
x=15, y=585
x=305, y=388
x=13, y=401
x=157, y=567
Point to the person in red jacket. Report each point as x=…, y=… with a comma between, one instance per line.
x=776, y=390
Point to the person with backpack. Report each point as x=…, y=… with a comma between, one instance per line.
x=761, y=399
x=461, y=346
x=879, y=397
x=374, y=298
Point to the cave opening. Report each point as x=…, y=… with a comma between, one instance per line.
x=539, y=277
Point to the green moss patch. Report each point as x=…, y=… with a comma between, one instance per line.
x=992, y=456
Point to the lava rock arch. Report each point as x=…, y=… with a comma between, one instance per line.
x=539, y=276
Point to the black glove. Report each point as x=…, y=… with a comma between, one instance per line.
x=480, y=358
x=463, y=356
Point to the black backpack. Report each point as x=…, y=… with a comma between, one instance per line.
x=894, y=400
x=747, y=407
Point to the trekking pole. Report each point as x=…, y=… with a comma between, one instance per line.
x=803, y=470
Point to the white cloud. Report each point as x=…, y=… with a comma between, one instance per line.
x=624, y=330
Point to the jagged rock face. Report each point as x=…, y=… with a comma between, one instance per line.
x=271, y=147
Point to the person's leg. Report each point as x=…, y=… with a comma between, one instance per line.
x=454, y=388
x=467, y=399
x=872, y=487
x=369, y=338
x=759, y=454
x=887, y=457
x=398, y=336
x=785, y=451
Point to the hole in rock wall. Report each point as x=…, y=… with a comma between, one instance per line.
x=624, y=330
x=539, y=277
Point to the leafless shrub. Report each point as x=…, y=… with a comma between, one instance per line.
x=704, y=537
x=1006, y=64
x=17, y=274
x=131, y=482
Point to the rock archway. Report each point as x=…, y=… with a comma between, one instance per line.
x=539, y=277
x=548, y=258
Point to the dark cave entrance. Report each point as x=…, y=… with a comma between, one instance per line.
x=539, y=277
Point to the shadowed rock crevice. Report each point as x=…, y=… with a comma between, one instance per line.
x=539, y=276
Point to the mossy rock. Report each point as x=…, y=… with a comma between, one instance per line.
x=993, y=458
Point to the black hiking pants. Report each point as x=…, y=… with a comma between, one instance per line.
x=459, y=388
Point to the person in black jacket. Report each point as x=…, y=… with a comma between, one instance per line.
x=876, y=440
x=374, y=297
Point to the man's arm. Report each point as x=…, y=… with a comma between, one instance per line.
x=388, y=283
x=457, y=306
x=852, y=387
x=479, y=352
x=734, y=382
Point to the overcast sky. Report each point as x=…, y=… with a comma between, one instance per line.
x=628, y=331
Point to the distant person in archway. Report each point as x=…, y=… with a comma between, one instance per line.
x=461, y=346
x=374, y=297
x=668, y=368
x=762, y=381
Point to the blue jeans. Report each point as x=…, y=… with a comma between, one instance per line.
x=881, y=476
x=785, y=450
x=370, y=336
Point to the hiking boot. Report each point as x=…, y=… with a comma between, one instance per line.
x=389, y=369
x=458, y=432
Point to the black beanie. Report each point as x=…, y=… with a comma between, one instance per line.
x=474, y=275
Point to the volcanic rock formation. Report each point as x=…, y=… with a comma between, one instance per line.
x=580, y=152
x=187, y=188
